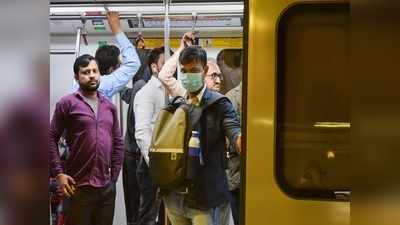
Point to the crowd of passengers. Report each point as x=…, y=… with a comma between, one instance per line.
x=88, y=122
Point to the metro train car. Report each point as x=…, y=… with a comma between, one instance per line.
x=290, y=57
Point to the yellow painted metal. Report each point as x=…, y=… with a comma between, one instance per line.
x=266, y=204
x=227, y=42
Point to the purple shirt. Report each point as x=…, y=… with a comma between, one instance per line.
x=95, y=143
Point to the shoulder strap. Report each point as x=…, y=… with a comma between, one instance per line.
x=178, y=100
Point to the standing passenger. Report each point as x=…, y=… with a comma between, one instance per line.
x=132, y=156
x=233, y=171
x=213, y=77
x=213, y=80
x=148, y=103
x=90, y=124
x=210, y=191
x=131, y=149
x=115, y=74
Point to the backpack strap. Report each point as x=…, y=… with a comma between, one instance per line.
x=178, y=100
x=196, y=112
x=175, y=103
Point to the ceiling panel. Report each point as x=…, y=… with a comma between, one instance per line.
x=152, y=28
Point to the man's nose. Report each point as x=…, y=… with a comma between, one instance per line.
x=92, y=74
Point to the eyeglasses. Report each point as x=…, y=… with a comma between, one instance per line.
x=214, y=76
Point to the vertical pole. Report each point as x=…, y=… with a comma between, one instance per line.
x=166, y=29
x=140, y=25
x=78, y=42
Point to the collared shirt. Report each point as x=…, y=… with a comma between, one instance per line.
x=148, y=103
x=199, y=97
x=111, y=83
x=95, y=143
x=93, y=103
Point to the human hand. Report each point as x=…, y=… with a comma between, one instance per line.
x=66, y=183
x=113, y=21
x=239, y=144
x=187, y=40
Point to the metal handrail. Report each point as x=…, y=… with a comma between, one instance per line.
x=129, y=10
x=166, y=29
x=134, y=16
x=78, y=41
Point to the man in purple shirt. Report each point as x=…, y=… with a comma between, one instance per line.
x=89, y=122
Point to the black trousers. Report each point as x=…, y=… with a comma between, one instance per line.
x=131, y=187
x=91, y=206
x=149, y=198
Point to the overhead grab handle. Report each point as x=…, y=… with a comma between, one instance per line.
x=140, y=23
x=194, y=22
x=78, y=41
x=84, y=31
x=81, y=32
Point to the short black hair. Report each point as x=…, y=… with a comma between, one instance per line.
x=193, y=53
x=82, y=61
x=154, y=55
x=107, y=56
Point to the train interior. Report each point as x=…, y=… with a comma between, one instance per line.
x=79, y=27
x=291, y=56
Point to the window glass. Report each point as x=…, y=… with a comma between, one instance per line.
x=313, y=88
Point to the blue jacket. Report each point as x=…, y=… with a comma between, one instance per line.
x=217, y=122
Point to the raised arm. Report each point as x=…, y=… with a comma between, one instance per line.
x=114, y=82
x=166, y=75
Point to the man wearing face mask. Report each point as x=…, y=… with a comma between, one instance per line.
x=90, y=124
x=210, y=191
x=147, y=104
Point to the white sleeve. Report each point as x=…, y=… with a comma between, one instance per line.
x=144, y=110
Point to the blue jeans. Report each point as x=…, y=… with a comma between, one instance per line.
x=179, y=214
x=221, y=214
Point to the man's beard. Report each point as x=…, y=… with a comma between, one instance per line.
x=89, y=87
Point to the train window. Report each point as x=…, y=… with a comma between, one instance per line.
x=230, y=62
x=313, y=88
